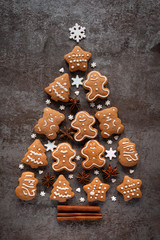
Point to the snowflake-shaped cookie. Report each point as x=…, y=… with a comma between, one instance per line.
x=111, y=153
x=77, y=81
x=77, y=32
x=50, y=145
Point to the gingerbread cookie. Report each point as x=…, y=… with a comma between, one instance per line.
x=128, y=156
x=96, y=190
x=77, y=59
x=35, y=157
x=95, y=84
x=130, y=188
x=27, y=186
x=49, y=123
x=64, y=154
x=109, y=122
x=93, y=152
x=61, y=190
x=59, y=89
x=83, y=123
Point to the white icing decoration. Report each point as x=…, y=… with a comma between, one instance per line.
x=97, y=95
x=35, y=161
x=57, y=94
x=61, y=86
x=79, y=129
x=38, y=154
x=45, y=123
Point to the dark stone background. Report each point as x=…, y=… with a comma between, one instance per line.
x=124, y=39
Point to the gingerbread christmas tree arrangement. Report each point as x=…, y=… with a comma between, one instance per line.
x=61, y=190
x=83, y=129
x=35, y=157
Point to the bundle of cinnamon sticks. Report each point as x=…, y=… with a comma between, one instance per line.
x=76, y=213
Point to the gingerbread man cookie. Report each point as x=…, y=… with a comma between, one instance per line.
x=130, y=188
x=35, y=157
x=95, y=84
x=61, y=190
x=109, y=122
x=93, y=152
x=59, y=89
x=27, y=186
x=64, y=154
x=96, y=190
x=128, y=156
x=49, y=124
x=83, y=123
x=77, y=59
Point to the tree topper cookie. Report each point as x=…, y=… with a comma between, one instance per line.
x=59, y=89
x=95, y=84
x=49, y=123
x=64, y=154
x=128, y=156
x=93, y=152
x=109, y=122
x=96, y=190
x=77, y=59
x=27, y=186
x=83, y=123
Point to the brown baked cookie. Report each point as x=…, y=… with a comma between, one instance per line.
x=109, y=122
x=96, y=190
x=130, y=188
x=61, y=190
x=83, y=123
x=49, y=123
x=77, y=59
x=27, y=186
x=92, y=152
x=95, y=84
x=128, y=156
x=64, y=154
x=35, y=157
x=59, y=89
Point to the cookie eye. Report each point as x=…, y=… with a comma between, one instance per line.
x=95, y=75
x=91, y=75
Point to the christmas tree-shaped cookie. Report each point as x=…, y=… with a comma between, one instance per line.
x=35, y=157
x=61, y=190
x=59, y=89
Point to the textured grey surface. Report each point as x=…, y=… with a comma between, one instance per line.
x=124, y=39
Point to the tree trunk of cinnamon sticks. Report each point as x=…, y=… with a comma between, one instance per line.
x=76, y=213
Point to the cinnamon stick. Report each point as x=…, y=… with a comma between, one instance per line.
x=79, y=218
x=65, y=208
x=77, y=214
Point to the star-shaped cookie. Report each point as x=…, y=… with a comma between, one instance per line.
x=130, y=188
x=77, y=59
x=96, y=190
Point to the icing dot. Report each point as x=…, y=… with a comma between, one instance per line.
x=84, y=66
x=92, y=193
x=50, y=90
x=38, y=158
x=99, y=187
x=133, y=194
x=96, y=180
x=102, y=191
x=128, y=180
x=64, y=184
x=71, y=61
x=133, y=184
x=95, y=84
x=137, y=194
x=121, y=187
x=64, y=155
x=98, y=191
x=72, y=67
x=27, y=160
x=94, y=185
x=63, y=160
x=95, y=197
x=131, y=190
x=128, y=196
x=124, y=192
x=77, y=50
x=100, y=184
x=87, y=55
x=96, y=194
x=126, y=186
x=127, y=191
x=59, y=181
x=137, y=188
x=138, y=182
x=74, y=60
x=69, y=56
x=101, y=196
x=82, y=55
x=64, y=84
x=96, y=89
x=78, y=64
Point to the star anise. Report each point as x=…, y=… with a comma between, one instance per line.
x=83, y=177
x=47, y=180
x=66, y=133
x=109, y=172
x=74, y=103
